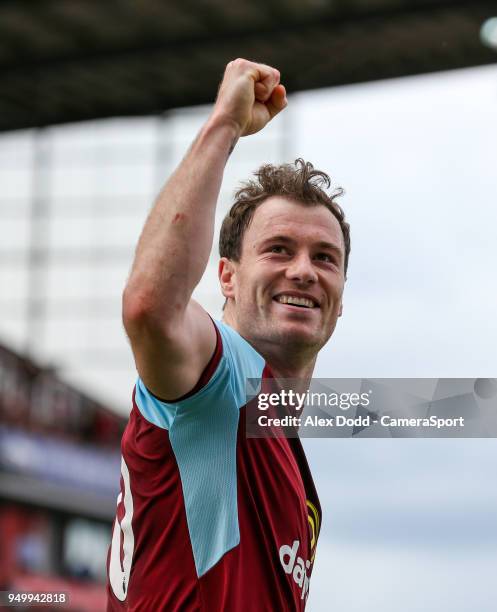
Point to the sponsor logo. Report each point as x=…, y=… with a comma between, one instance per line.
x=296, y=566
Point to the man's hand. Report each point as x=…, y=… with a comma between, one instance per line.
x=249, y=96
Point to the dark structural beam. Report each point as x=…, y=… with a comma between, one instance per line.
x=64, y=62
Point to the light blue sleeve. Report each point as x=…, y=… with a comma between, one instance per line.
x=239, y=361
x=203, y=432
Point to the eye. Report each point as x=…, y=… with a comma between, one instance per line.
x=325, y=257
x=278, y=249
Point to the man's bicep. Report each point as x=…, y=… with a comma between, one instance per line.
x=170, y=361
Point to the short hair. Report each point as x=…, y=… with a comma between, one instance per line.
x=298, y=181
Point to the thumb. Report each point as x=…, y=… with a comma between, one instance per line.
x=278, y=100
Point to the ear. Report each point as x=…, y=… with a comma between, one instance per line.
x=226, y=274
x=341, y=309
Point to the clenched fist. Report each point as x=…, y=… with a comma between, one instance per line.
x=249, y=96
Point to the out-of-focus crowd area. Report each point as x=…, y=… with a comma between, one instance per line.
x=59, y=474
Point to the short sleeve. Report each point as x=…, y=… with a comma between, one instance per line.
x=225, y=387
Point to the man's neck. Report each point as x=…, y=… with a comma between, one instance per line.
x=283, y=368
x=284, y=364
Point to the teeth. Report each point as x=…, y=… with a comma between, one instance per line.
x=296, y=301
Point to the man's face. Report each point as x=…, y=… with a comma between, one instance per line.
x=287, y=288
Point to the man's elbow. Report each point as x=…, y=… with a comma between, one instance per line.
x=143, y=311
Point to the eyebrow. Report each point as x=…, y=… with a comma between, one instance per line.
x=322, y=244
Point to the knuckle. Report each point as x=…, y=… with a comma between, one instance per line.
x=235, y=62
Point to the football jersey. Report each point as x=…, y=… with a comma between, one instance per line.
x=207, y=518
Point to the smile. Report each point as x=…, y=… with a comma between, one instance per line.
x=293, y=300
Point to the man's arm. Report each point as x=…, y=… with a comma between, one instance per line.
x=172, y=337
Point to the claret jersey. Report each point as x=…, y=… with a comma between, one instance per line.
x=207, y=519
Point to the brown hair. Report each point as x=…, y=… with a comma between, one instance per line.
x=298, y=181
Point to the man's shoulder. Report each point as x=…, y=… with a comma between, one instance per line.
x=225, y=379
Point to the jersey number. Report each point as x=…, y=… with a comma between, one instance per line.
x=119, y=571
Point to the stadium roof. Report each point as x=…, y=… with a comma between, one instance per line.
x=84, y=59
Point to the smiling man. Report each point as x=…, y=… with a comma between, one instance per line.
x=208, y=519
x=284, y=281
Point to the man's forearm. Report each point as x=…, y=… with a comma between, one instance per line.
x=176, y=242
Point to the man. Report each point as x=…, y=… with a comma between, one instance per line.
x=209, y=519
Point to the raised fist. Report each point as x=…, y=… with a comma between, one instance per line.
x=250, y=95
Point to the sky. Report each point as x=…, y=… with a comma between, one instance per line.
x=408, y=524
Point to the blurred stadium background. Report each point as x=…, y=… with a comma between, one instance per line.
x=99, y=102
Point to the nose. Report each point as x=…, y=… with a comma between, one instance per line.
x=301, y=269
